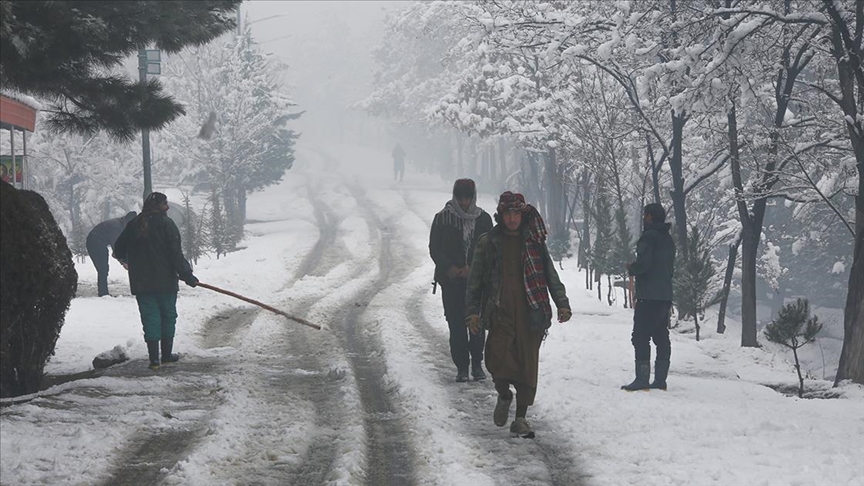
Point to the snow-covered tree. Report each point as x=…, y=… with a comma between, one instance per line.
x=250, y=146
x=59, y=51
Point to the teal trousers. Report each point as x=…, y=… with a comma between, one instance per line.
x=158, y=315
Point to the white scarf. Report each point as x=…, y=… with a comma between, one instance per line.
x=467, y=219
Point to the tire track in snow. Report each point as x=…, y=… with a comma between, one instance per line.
x=184, y=401
x=389, y=452
x=390, y=455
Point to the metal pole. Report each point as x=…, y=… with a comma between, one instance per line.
x=25, y=165
x=145, y=132
x=14, y=165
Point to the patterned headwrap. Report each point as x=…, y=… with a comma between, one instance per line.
x=511, y=201
x=534, y=272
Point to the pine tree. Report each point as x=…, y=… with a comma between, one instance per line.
x=189, y=229
x=622, y=252
x=793, y=328
x=694, y=272
x=63, y=52
x=559, y=245
x=601, y=251
x=218, y=227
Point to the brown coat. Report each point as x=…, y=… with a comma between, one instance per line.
x=512, y=348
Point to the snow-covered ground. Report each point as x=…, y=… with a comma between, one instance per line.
x=717, y=425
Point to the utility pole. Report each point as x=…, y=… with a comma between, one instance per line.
x=148, y=63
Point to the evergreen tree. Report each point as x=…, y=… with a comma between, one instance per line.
x=61, y=51
x=234, y=85
x=190, y=231
x=218, y=231
x=559, y=245
x=793, y=328
x=622, y=252
x=694, y=274
x=601, y=251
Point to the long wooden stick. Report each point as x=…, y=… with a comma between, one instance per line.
x=259, y=304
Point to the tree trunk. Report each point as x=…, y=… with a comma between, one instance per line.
x=749, y=247
x=727, y=285
x=609, y=289
x=850, y=72
x=798, y=369
x=502, y=158
x=735, y=162
x=851, y=365
x=675, y=167
x=696, y=323
x=460, y=147
x=493, y=166
x=241, y=205
x=655, y=171
x=553, y=203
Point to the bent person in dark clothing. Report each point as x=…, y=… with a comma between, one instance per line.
x=653, y=268
x=150, y=249
x=99, y=239
x=455, y=231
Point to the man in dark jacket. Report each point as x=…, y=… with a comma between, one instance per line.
x=150, y=249
x=99, y=239
x=511, y=280
x=454, y=233
x=653, y=268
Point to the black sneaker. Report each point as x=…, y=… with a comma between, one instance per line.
x=171, y=358
x=478, y=374
x=462, y=376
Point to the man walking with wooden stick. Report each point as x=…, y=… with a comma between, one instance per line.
x=150, y=249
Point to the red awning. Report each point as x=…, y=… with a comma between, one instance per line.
x=17, y=114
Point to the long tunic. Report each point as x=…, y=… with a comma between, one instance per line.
x=512, y=349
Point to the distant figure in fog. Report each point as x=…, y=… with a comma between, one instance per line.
x=99, y=239
x=398, y=163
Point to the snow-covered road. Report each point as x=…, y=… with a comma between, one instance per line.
x=370, y=399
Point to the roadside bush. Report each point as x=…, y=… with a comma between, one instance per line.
x=37, y=283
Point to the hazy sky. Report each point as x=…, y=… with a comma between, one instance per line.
x=327, y=47
x=308, y=34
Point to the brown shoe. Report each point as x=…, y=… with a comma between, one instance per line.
x=502, y=411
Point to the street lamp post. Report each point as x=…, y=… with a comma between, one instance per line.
x=148, y=63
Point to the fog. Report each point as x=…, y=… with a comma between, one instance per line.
x=327, y=48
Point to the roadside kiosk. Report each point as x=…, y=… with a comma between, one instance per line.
x=17, y=114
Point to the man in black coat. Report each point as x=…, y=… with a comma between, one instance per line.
x=455, y=231
x=653, y=269
x=99, y=239
x=150, y=249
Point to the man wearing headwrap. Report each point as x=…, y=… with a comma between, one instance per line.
x=455, y=231
x=150, y=249
x=99, y=239
x=508, y=294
